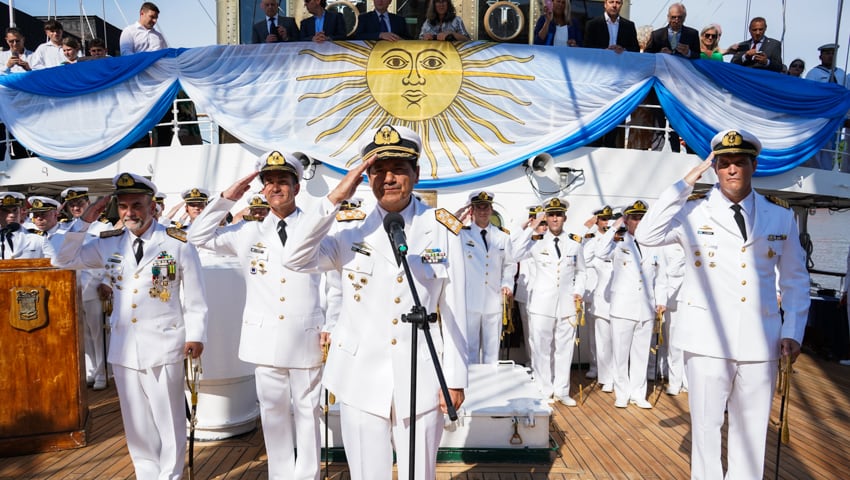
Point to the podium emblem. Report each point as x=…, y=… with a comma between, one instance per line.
x=28, y=310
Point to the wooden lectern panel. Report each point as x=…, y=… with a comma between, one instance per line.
x=43, y=404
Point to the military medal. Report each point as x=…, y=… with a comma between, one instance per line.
x=163, y=272
x=770, y=252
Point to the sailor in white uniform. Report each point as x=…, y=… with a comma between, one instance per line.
x=283, y=317
x=739, y=248
x=637, y=295
x=368, y=367
x=598, y=291
x=160, y=317
x=558, y=283
x=15, y=240
x=490, y=271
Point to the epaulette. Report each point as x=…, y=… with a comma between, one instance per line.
x=466, y=227
x=777, y=201
x=64, y=220
x=37, y=232
x=448, y=220
x=103, y=219
x=176, y=224
x=505, y=230
x=589, y=235
x=695, y=196
x=350, y=215
x=112, y=233
x=575, y=238
x=177, y=233
x=538, y=236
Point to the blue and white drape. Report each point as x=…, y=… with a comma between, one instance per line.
x=514, y=101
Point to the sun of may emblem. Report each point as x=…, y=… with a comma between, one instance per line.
x=429, y=87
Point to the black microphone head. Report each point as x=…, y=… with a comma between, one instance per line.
x=393, y=219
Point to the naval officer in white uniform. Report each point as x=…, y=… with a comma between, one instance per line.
x=15, y=240
x=160, y=317
x=283, y=318
x=599, y=292
x=739, y=248
x=638, y=294
x=558, y=282
x=368, y=367
x=490, y=271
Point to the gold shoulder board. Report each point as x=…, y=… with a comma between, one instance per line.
x=177, y=233
x=777, y=201
x=575, y=238
x=350, y=215
x=448, y=220
x=538, y=236
x=505, y=230
x=112, y=233
x=589, y=235
x=695, y=196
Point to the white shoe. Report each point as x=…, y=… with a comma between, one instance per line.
x=566, y=400
x=620, y=404
x=641, y=403
x=673, y=391
x=99, y=384
x=608, y=387
x=591, y=373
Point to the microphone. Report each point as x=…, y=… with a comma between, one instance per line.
x=394, y=226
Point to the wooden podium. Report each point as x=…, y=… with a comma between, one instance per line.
x=43, y=404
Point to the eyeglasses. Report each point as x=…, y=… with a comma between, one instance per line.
x=709, y=35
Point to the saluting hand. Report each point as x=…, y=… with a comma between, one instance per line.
x=696, y=172
x=349, y=183
x=95, y=209
x=235, y=191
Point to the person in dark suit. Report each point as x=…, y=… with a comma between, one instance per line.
x=675, y=38
x=373, y=25
x=274, y=28
x=331, y=24
x=759, y=51
x=596, y=32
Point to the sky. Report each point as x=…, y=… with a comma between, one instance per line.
x=808, y=23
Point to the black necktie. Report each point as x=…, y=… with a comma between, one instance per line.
x=637, y=245
x=557, y=248
x=484, y=239
x=281, y=232
x=139, y=250
x=382, y=19
x=739, y=219
x=272, y=29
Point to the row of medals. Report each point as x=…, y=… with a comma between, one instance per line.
x=163, y=272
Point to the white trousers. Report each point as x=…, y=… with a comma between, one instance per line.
x=370, y=440
x=153, y=409
x=604, y=350
x=746, y=390
x=484, y=332
x=552, y=345
x=284, y=394
x=675, y=357
x=93, y=339
x=631, y=340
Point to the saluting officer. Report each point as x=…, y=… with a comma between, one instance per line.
x=599, y=291
x=558, y=282
x=282, y=320
x=490, y=271
x=368, y=366
x=16, y=241
x=740, y=247
x=45, y=215
x=638, y=294
x=160, y=317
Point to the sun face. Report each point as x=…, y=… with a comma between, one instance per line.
x=425, y=86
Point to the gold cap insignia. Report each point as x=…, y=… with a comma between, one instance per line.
x=125, y=180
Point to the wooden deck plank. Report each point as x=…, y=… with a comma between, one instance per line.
x=595, y=441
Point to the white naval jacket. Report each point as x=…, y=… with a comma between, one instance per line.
x=637, y=278
x=600, y=292
x=24, y=244
x=487, y=270
x=728, y=293
x=556, y=280
x=368, y=366
x=282, y=318
x=145, y=331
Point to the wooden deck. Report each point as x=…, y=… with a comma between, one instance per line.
x=595, y=441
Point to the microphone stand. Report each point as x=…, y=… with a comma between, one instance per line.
x=419, y=318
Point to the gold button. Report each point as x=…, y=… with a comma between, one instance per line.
x=697, y=263
x=282, y=280
x=393, y=342
x=134, y=305
x=710, y=254
x=351, y=276
x=282, y=299
x=135, y=290
x=133, y=320
x=743, y=265
x=356, y=297
x=399, y=279
x=397, y=300
x=134, y=276
x=697, y=253
x=395, y=321
x=743, y=249
x=120, y=278
x=743, y=299
x=280, y=317
x=364, y=281
x=743, y=282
